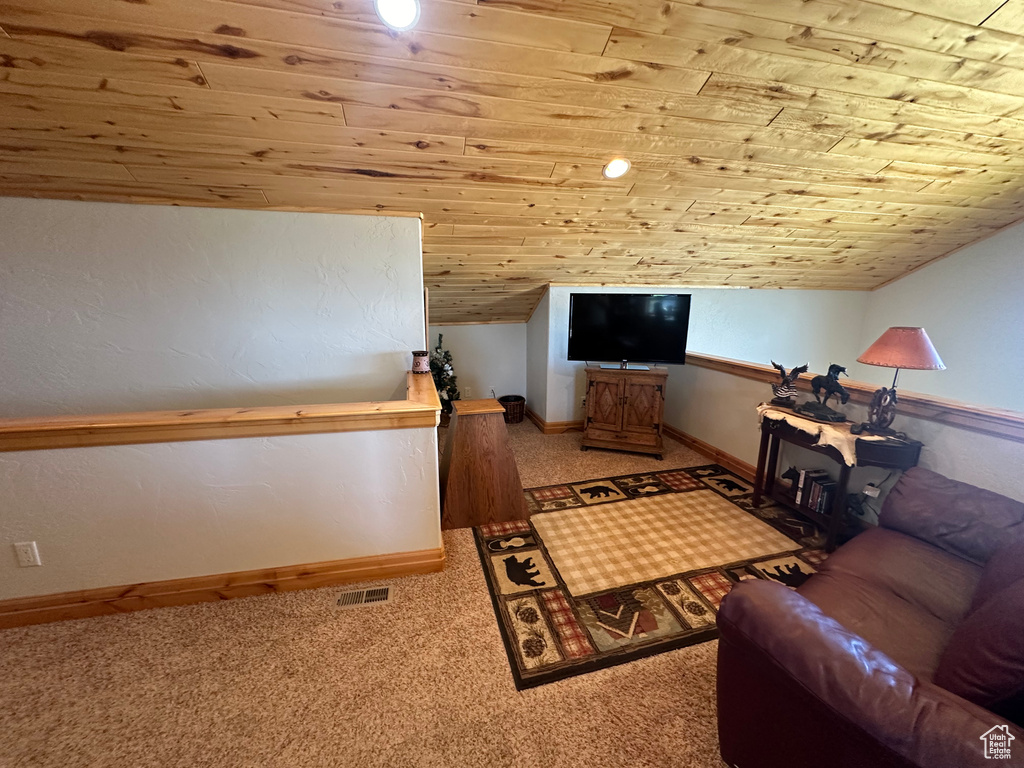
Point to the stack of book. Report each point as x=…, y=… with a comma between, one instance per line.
x=815, y=490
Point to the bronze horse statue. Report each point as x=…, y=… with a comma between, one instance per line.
x=830, y=384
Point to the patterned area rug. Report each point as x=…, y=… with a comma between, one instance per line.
x=611, y=570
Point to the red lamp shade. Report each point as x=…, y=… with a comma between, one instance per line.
x=903, y=348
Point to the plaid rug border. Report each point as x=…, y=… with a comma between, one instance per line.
x=571, y=663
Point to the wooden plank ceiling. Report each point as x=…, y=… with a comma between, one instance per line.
x=775, y=143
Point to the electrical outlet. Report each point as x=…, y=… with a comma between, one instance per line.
x=583, y=402
x=467, y=393
x=28, y=554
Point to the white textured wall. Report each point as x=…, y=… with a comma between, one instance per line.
x=538, y=339
x=486, y=356
x=717, y=408
x=117, y=308
x=983, y=460
x=108, y=307
x=791, y=327
x=115, y=515
x=972, y=306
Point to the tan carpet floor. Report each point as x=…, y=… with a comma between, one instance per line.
x=288, y=680
x=552, y=459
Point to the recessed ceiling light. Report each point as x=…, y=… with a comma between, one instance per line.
x=400, y=15
x=616, y=168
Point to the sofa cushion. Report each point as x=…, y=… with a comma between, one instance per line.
x=903, y=596
x=922, y=575
x=984, y=660
x=960, y=518
x=912, y=638
x=1004, y=568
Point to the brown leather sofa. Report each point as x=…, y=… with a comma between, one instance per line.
x=905, y=649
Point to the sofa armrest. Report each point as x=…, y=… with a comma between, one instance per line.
x=795, y=682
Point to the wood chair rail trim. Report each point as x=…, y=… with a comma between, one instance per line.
x=990, y=421
x=421, y=408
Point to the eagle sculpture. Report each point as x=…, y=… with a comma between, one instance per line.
x=785, y=391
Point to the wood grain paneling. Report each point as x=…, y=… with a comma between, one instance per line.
x=792, y=143
x=479, y=478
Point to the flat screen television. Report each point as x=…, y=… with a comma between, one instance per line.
x=633, y=327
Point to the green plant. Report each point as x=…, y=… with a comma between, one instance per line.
x=444, y=375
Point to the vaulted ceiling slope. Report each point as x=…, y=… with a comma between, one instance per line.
x=775, y=143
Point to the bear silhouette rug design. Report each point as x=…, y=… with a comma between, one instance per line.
x=522, y=573
x=614, y=569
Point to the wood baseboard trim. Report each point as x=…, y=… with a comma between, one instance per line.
x=727, y=460
x=105, y=601
x=553, y=427
x=535, y=419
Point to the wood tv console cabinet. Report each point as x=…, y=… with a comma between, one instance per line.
x=624, y=409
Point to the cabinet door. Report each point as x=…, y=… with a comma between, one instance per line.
x=642, y=409
x=604, y=402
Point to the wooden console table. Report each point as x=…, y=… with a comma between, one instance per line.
x=479, y=477
x=832, y=440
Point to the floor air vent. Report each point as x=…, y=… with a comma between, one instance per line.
x=357, y=597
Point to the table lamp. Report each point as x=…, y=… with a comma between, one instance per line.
x=898, y=347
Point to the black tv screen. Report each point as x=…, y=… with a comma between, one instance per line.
x=639, y=328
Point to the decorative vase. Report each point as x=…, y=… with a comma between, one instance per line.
x=421, y=362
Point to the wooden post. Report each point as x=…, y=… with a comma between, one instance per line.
x=773, y=463
x=835, y=523
x=762, y=455
x=479, y=478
